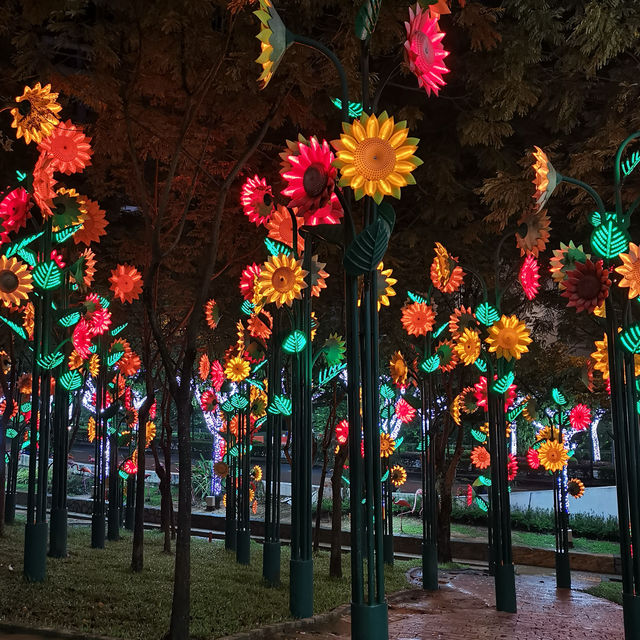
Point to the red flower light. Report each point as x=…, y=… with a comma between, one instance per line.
x=68, y=147
x=587, y=285
x=404, y=411
x=217, y=375
x=56, y=256
x=480, y=393
x=153, y=410
x=533, y=459
x=99, y=321
x=580, y=417
x=247, y=280
x=130, y=467
x=342, y=432
x=208, y=401
x=329, y=214
x=469, y=495
x=529, y=277
x=14, y=210
x=256, y=199
x=81, y=339
x=512, y=468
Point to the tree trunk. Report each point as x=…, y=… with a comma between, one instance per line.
x=165, y=498
x=444, y=524
x=137, y=553
x=335, y=561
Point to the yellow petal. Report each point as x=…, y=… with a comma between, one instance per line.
x=348, y=142
x=372, y=127
x=357, y=182
x=396, y=179
x=398, y=138
x=405, y=152
x=404, y=167
x=386, y=129
x=358, y=131
x=370, y=187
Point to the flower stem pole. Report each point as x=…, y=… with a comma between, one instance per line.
x=271, y=547
x=97, y=513
x=12, y=474
x=243, y=549
x=387, y=499
x=113, y=513
x=230, y=538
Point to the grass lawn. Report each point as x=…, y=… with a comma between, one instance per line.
x=94, y=591
x=608, y=590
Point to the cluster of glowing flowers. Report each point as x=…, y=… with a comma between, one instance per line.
x=43, y=185
x=446, y=274
x=529, y=277
x=259, y=328
x=397, y=476
x=533, y=459
x=273, y=41
x=334, y=349
x=204, y=366
x=462, y=318
x=211, y=313
x=375, y=156
x=398, y=369
x=256, y=473
x=480, y=457
x=424, y=53
x=14, y=210
x=385, y=285
x=36, y=114
x=575, y=488
x=248, y=279
x=630, y=270
x=445, y=350
x=342, y=432
x=68, y=147
x=587, y=286
x=512, y=468
x=237, y=369
x=508, y=338
x=15, y=281
x=387, y=445
x=94, y=223
x=256, y=198
x=404, y=411
x=481, y=398
x=281, y=280
x=418, y=318
x=126, y=282
x=468, y=346
x=580, y=417
x=536, y=235
x=546, y=179
x=553, y=456
x=280, y=228
x=563, y=261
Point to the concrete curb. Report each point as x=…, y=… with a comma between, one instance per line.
x=46, y=632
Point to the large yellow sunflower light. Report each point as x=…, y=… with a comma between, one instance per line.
x=15, y=281
x=387, y=445
x=508, y=338
x=397, y=476
x=35, y=116
x=281, y=280
x=600, y=358
x=553, y=456
x=468, y=347
x=630, y=270
x=375, y=156
x=237, y=369
x=398, y=369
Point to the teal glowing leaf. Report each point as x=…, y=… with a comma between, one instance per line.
x=609, y=240
x=69, y=319
x=478, y=435
x=387, y=412
x=385, y=476
x=258, y=366
x=280, y=405
x=227, y=407
x=481, y=365
x=119, y=329
x=16, y=246
x=630, y=163
x=570, y=453
x=346, y=480
x=430, y=364
x=630, y=338
x=512, y=414
x=51, y=361
x=487, y=314
x=255, y=383
x=71, y=380
x=233, y=451
x=247, y=308
x=260, y=421
x=105, y=302
x=28, y=256
x=595, y=219
x=416, y=297
x=112, y=358
x=399, y=441
x=387, y=392
x=25, y=406
x=367, y=19
x=438, y=332
x=502, y=384
x=295, y=342
x=93, y=348
x=14, y=327
x=330, y=372
x=355, y=108
x=239, y=401
x=47, y=275
x=484, y=481
x=11, y=433
x=64, y=234
x=481, y=503
x=275, y=248
x=558, y=396
x=21, y=176
x=367, y=250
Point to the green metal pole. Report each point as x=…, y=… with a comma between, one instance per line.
x=97, y=513
x=243, y=551
x=429, y=498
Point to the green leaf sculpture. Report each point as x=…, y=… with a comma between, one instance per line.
x=367, y=19
x=367, y=250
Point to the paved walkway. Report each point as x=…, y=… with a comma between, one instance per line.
x=464, y=609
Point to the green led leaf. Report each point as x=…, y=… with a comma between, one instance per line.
x=387, y=412
x=28, y=256
x=255, y=383
x=71, y=380
x=385, y=476
x=227, y=407
x=416, y=297
x=512, y=414
x=367, y=19
x=355, y=108
x=346, y=479
x=595, y=219
x=239, y=401
x=112, y=358
x=481, y=504
x=438, y=332
x=259, y=365
x=247, y=308
x=93, y=348
x=399, y=441
x=47, y=275
x=502, y=384
x=260, y=421
x=25, y=406
x=558, y=396
x=330, y=372
x=233, y=451
x=484, y=481
x=11, y=433
x=21, y=175
x=51, y=361
x=487, y=314
x=609, y=240
x=570, y=453
x=481, y=365
x=367, y=250
x=430, y=364
x=478, y=435
x=14, y=327
x=105, y=302
x=387, y=392
x=276, y=248
x=280, y=405
x=119, y=329
x=630, y=163
x=630, y=338
x=64, y=234
x=70, y=319
x=13, y=249
x=295, y=342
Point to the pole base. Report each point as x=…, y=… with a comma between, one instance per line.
x=113, y=524
x=631, y=614
x=430, y=566
x=506, y=588
x=58, y=534
x=563, y=571
x=271, y=563
x=369, y=622
x=97, y=531
x=301, y=588
x=35, y=551
x=230, y=538
x=10, y=508
x=243, y=551
x=388, y=549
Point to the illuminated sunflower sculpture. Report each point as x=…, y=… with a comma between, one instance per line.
x=273, y=41
x=397, y=476
x=237, y=369
x=282, y=280
x=580, y=417
x=387, y=445
x=318, y=276
x=445, y=351
x=211, y=313
x=418, y=318
x=575, y=488
x=546, y=179
x=36, y=114
x=564, y=260
x=398, y=369
x=529, y=277
x=587, y=286
x=334, y=349
x=126, y=282
x=256, y=199
x=533, y=459
x=446, y=274
x=553, y=456
x=424, y=53
x=468, y=346
x=508, y=338
x=630, y=270
x=404, y=411
x=248, y=280
x=480, y=458
x=462, y=318
x=536, y=236
x=385, y=285
x=43, y=185
x=375, y=156
x=68, y=147
x=15, y=281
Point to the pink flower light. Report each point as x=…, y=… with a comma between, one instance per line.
x=529, y=277
x=580, y=417
x=256, y=199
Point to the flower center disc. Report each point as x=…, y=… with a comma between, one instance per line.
x=374, y=159
x=8, y=281
x=588, y=287
x=425, y=53
x=508, y=338
x=65, y=150
x=265, y=205
x=283, y=280
x=314, y=180
x=125, y=283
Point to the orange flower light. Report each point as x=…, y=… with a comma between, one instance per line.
x=36, y=113
x=129, y=364
x=280, y=228
x=545, y=180
x=446, y=274
x=204, y=366
x=462, y=318
x=537, y=232
x=43, y=185
x=480, y=458
x=398, y=369
x=211, y=313
x=318, y=276
x=259, y=328
x=248, y=280
x=68, y=147
x=630, y=270
x=418, y=318
x=15, y=281
x=126, y=283
x=93, y=224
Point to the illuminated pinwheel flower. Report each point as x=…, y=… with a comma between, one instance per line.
x=126, y=282
x=480, y=393
x=512, y=468
x=564, y=259
x=533, y=459
x=208, y=400
x=318, y=276
x=93, y=366
x=69, y=209
x=99, y=321
x=43, y=185
x=546, y=179
x=587, y=286
x=256, y=199
x=548, y=433
x=448, y=357
x=259, y=400
x=404, y=411
x=93, y=224
x=259, y=328
x=537, y=232
x=387, y=445
x=397, y=476
x=508, y=338
x=469, y=495
x=462, y=318
x=331, y=213
x=553, y=456
x=342, y=431
x=248, y=280
x=128, y=365
x=68, y=147
x=424, y=53
x=204, y=367
x=375, y=156
x=35, y=116
x=150, y=432
x=273, y=41
x=256, y=473
x=480, y=457
x=310, y=176
x=575, y=488
x=385, y=285
x=237, y=369
x=398, y=369
x=14, y=210
x=15, y=281
x=280, y=228
x=446, y=274
x=630, y=270
x=211, y=313
x=75, y=360
x=282, y=280
x=81, y=339
x=418, y=318
x=334, y=349
x=529, y=277
x=468, y=346
x=600, y=357
x=580, y=417
x=217, y=375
